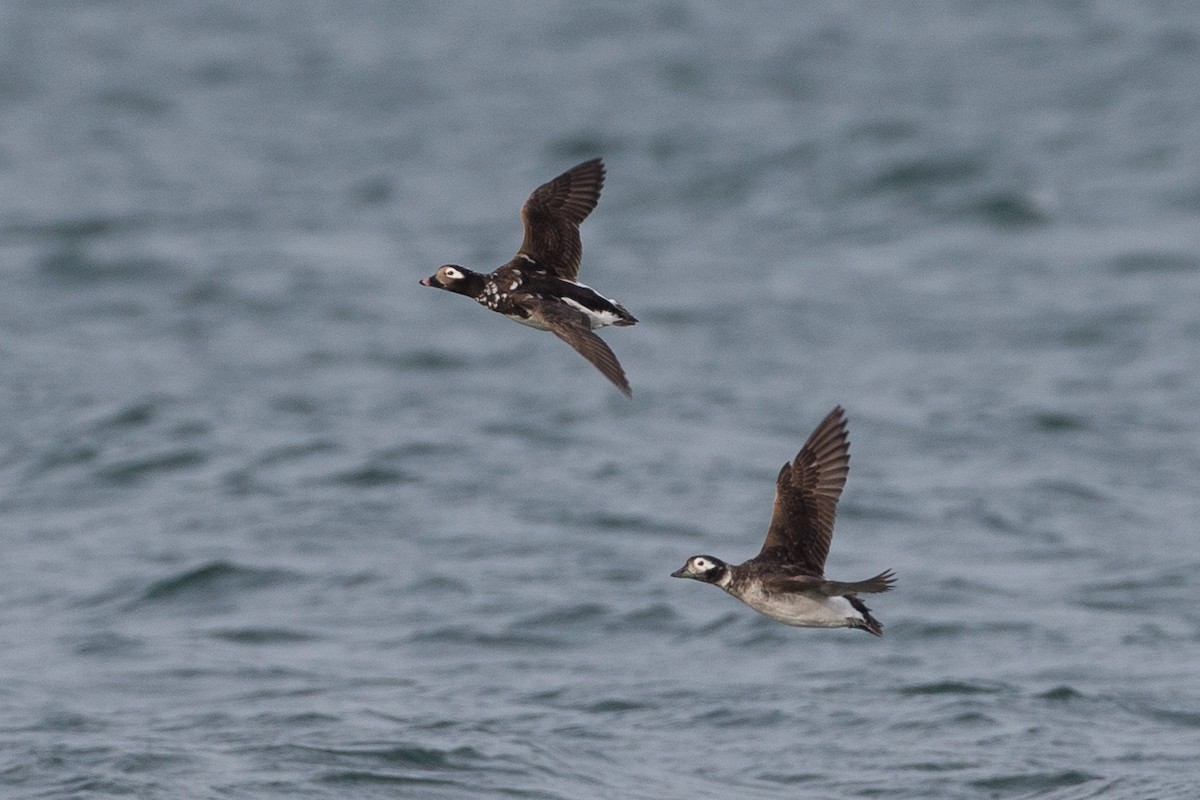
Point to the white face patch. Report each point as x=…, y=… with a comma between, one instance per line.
x=701, y=566
x=449, y=273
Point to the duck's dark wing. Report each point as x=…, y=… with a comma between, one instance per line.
x=552, y=215
x=574, y=328
x=806, y=495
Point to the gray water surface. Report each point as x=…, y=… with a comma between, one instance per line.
x=275, y=521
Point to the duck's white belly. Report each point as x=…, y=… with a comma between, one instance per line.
x=802, y=610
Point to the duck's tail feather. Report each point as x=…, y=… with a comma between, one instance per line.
x=868, y=623
x=882, y=582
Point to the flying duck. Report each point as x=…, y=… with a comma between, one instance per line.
x=538, y=287
x=786, y=580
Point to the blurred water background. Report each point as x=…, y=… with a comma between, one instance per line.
x=275, y=521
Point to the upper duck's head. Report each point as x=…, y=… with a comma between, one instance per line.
x=708, y=569
x=448, y=276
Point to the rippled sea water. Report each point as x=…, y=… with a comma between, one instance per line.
x=276, y=521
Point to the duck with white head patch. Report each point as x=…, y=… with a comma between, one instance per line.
x=538, y=287
x=786, y=580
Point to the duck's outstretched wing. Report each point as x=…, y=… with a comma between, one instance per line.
x=806, y=495
x=552, y=215
x=574, y=328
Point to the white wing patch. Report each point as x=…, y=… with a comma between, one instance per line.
x=598, y=319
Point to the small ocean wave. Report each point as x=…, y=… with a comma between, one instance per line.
x=1147, y=593
x=102, y=440
x=153, y=763
x=626, y=523
x=640, y=524
x=453, y=771
x=1060, y=422
x=135, y=101
x=74, y=264
x=1110, y=329
x=63, y=456
x=110, y=644
x=1010, y=209
x=791, y=778
x=923, y=629
x=62, y=720
x=432, y=585
x=70, y=229
x=134, y=470
x=955, y=687
x=922, y=173
x=508, y=640
x=133, y=414
x=532, y=432
x=296, y=451
x=1122, y=788
x=1069, y=489
x=725, y=621
x=1177, y=717
x=209, y=294
x=615, y=705
x=422, y=360
x=320, y=462
x=216, y=581
x=266, y=472
x=259, y=636
x=566, y=616
x=1035, y=783
x=404, y=755
x=737, y=717
x=295, y=720
x=1154, y=262
x=1061, y=694
x=84, y=786
x=937, y=766
x=656, y=618
x=372, y=475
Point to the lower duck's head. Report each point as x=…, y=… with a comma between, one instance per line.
x=708, y=569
